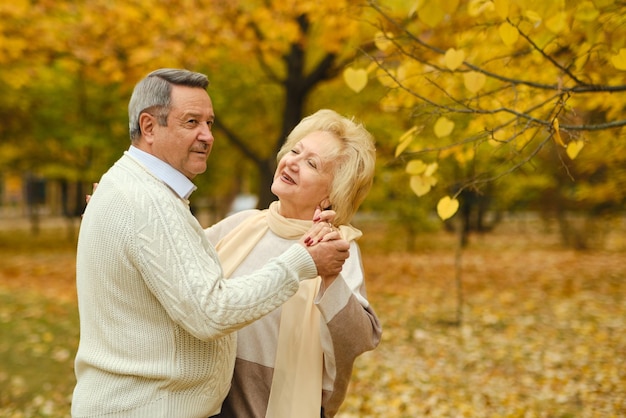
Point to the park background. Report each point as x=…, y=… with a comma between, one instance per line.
x=494, y=235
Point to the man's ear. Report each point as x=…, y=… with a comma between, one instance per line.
x=147, y=123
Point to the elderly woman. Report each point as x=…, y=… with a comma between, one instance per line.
x=297, y=361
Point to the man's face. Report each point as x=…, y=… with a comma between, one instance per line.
x=186, y=142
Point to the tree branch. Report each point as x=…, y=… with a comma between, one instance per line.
x=237, y=142
x=579, y=88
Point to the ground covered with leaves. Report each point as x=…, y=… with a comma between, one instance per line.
x=542, y=331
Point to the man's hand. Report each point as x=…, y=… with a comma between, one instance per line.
x=329, y=256
x=323, y=241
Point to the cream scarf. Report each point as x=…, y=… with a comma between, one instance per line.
x=297, y=383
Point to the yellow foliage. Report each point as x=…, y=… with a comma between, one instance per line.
x=619, y=60
x=430, y=13
x=474, y=81
x=586, y=12
x=410, y=74
x=356, y=79
x=502, y=8
x=508, y=34
x=386, y=77
x=415, y=167
x=443, y=127
x=406, y=139
x=454, y=58
x=478, y=7
x=557, y=23
x=447, y=207
x=383, y=40
x=557, y=133
x=422, y=184
x=573, y=148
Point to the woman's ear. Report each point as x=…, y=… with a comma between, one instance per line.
x=147, y=122
x=325, y=204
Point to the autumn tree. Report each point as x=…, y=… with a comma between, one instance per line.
x=493, y=88
x=265, y=60
x=490, y=84
x=286, y=50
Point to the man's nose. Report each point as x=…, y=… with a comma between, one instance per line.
x=206, y=134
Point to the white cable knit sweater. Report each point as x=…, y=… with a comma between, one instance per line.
x=156, y=315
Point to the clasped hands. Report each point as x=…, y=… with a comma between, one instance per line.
x=326, y=246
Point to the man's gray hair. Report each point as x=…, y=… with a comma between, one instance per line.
x=153, y=94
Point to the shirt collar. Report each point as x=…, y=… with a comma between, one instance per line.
x=176, y=180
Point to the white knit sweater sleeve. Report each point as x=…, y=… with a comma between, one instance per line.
x=179, y=265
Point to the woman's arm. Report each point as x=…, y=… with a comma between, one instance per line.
x=350, y=327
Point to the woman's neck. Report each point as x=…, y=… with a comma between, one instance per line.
x=293, y=212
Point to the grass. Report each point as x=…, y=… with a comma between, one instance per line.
x=542, y=332
x=38, y=323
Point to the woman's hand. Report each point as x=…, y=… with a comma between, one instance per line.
x=88, y=196
x=323, y=229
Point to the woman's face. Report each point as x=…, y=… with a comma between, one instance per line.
x=303, y=177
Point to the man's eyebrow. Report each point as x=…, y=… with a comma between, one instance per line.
x=196, y=115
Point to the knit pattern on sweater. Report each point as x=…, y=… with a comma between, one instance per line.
x=157, y=317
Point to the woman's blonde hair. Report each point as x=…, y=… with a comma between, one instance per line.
x=353, y=164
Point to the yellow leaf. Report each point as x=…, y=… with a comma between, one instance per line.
x=415, y=167
x=478, y=7
x=443, y=127
x=474, y=81
x=502, y=8
x=430, y=169
x=355, y=79
x=586, y=12
x=573, y=148
x=619, y=60
x=383, y=40
x=557, y=23
x=557, y=134
x=406, y=139
x=454, y=58
x=449, y=6
x=508, y=33
x=431, y=13
x=447, y=207
x=583, y=55
x=386, y=78
x=533, y=16
x=421, y=185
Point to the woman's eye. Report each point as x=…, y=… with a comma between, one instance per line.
x=312, y=163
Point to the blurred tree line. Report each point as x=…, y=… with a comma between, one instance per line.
x=67, y=70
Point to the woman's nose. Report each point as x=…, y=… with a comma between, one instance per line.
x=293, y=162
